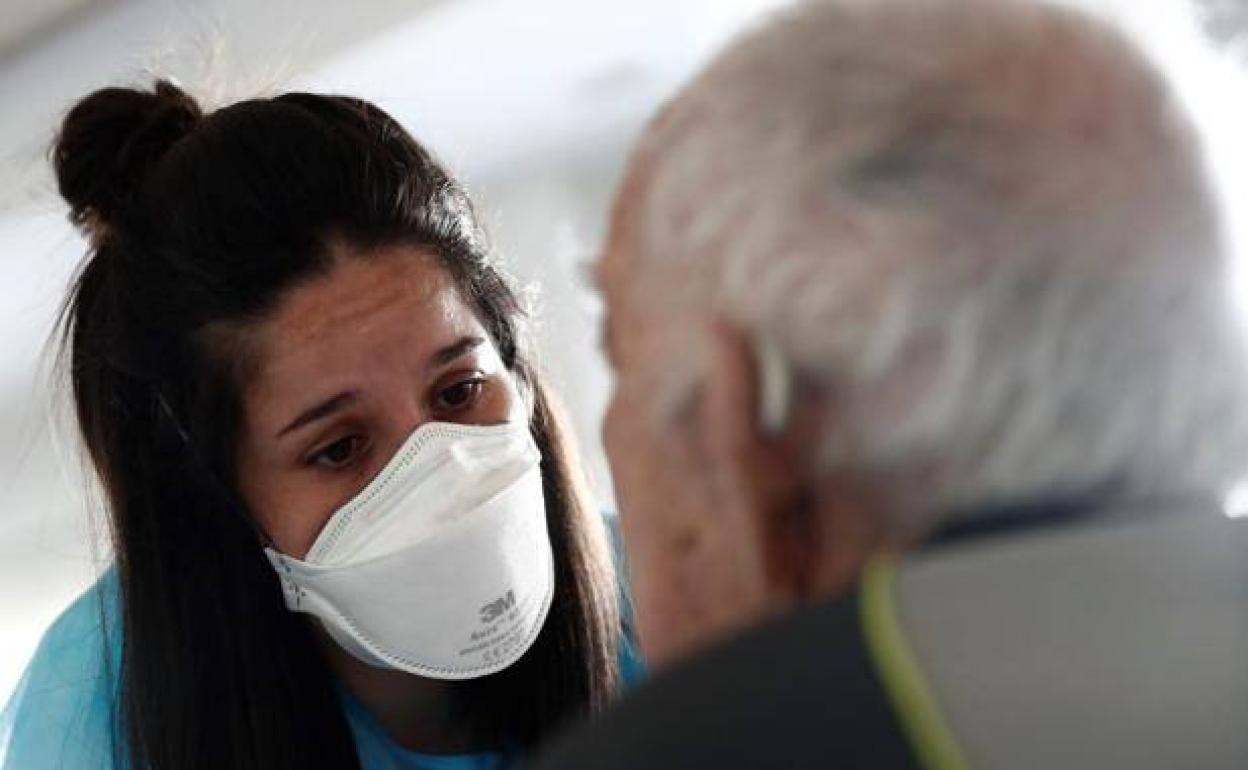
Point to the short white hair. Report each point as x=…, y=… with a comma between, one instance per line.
x=982, y=228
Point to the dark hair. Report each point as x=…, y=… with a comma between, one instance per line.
x=198, y=225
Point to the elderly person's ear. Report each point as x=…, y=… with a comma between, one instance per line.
x=759, y=446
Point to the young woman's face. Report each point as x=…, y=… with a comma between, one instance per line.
x=348, y=366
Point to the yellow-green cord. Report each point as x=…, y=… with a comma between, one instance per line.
x=912, y=700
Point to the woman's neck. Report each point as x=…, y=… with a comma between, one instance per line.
x=416, y=712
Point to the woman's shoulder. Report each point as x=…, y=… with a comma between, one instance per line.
x=62, y=713
x=92, y=616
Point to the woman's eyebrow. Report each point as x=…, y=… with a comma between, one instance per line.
x=320, y=411
x=337, y=402
x=455, y=350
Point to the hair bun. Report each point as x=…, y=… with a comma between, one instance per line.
x=110, y=141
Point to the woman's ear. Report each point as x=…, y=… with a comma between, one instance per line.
x=758, y=456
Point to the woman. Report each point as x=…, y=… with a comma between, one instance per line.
x=347, y=524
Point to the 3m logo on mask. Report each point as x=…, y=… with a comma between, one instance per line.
x=495, y=609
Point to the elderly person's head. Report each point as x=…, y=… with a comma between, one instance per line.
x=886, y=264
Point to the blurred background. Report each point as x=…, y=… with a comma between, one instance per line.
x=534, y=103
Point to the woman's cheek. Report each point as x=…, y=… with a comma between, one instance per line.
x=300, y=510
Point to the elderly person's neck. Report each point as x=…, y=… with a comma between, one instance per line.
x=829, y=552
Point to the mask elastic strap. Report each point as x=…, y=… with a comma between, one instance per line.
x=775, y=385
x=167, y=411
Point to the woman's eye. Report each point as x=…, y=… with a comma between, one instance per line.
x=460, y=395
x=338, y=454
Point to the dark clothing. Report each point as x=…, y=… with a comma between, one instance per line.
x=1097, y=643
x=799, y=692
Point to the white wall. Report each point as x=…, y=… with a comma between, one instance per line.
x=46, y=549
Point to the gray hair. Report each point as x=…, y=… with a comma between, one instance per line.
x=982, y=228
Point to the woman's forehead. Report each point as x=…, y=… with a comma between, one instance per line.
x=384, y=310
x=359, y=289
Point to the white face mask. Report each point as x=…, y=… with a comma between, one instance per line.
x=442, y=565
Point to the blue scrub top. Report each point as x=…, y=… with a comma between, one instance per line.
x=62, y=713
